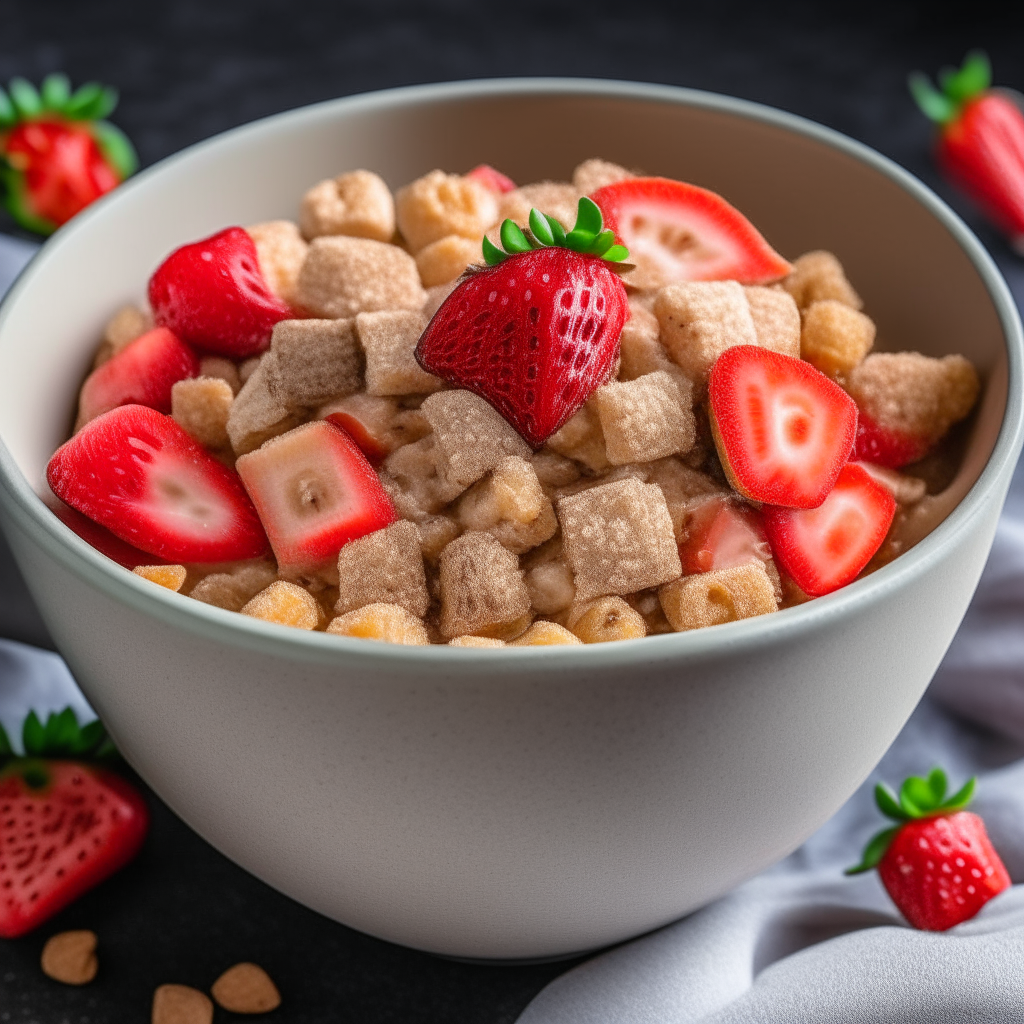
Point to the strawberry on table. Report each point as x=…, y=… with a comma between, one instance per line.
x=536, y=332
x=936, y=862
x=65, y=824
x=57, y=154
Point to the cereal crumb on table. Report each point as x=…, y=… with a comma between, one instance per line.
x=180, y=1004
x=246, y=988
x=70, y=957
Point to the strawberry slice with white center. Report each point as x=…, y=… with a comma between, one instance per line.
x=825, y=548
x=783, y=429
x=491, y=179
x=315, y=492
x=142, y=373
x=137, y=473
x=721, y=533
x=681, y=232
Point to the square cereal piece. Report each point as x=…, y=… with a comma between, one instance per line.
x=200, y=406
x=382, y=426
x=618, y=539
x=256, y=415
x=410, y=477
x=819, y=275
x=482, y=589
x=232, y=590
x=470, y=436
x=436, y=533
x=390, y=623
x=645, y=419
x=439, y=204
x=680, y=485
x=171, y=577
x=593, y=174
x=281, y=251
x=580, y=438
x=343, y=276
x=475, y=641
x=835, y=337
x=444, y=260
x=640, y=348
x=554, y=470
x=389, y=339
x=776, y=319
x=127, y=324
x=314, y=360
x=358, y=203
x=384, y=566
x=700, y=320
x=722, y=595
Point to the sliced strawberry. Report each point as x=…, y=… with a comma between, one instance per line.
x=137, y=473
x=783, y=429
x=213, y=295
x=887, y=446
x=491, y=179
x=100, y=537
x=721, y=533
x=142, y=373
x=688, y=233
x=315, y=492
x=825, y=548
x=370, y=446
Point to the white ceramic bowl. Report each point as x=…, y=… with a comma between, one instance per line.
x=527, y=802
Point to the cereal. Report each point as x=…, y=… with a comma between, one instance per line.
x=170, y=576
x=410, y=477
x=580, y=438
x=383, y=567
x=476, y=641
x=554, y=470
x=606, y=619
x=641, y=351
x=819, y=275
x=700, y=320
x=835, y=337
x=439, y=204
x=281, y=251
x=388, y=339
x=618, y=539
x=200, y=406
x=286, y=604
x=470, y=436
x=256, y=415
x=591, y=175
x=557, y=199
x=644, y=419
x=233, y=590
x=722, y=595
x=358, y=203
x=247, y=368
x=482, y=589
x=179, y=1004
x=436, y=296
x=127, y=324
x=444, y=260
x=246, y=988
x=344, y=276
x=436, y=532
x=314, y=360
x=384, y=424
x=551, y=586
x=776, y=319
x=545, y=634
x=223, y=369
x=680, y=485
x=390, y=623
x=70, y=957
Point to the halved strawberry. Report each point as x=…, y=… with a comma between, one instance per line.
x=825, y=548
x=137, y=473
x=491, y=179
x=315, y=492
x=687, y=233
x=783, y=430
x=213, y=295
x=142, y=373
x=887, y=446
x=721, y=533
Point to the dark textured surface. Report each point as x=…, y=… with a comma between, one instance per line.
x=187, y=70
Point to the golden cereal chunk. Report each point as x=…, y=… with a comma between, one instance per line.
x=224, y=369
x=390, y=623
x=914, y=394
x=280, y=250
x=314, y=360
x=606, y=619
x=200, y=406
x=287, y=604
x=410, y=476
x=70, y=957
x=444, y=260
x=819, y=275
x=388, y=339
x=232, y=590
x=618, y=538
x=700, y=320
x=722, y=595
x=246, y=988
x=475, y=641
x=343, y=276
x=358, y=203
x=551, y=586
x=580, y=439
x=436, y=533
x=439, y=204
x=170, y=576
x=835, y=336
x=256, y=415
x=545, y=634
x=384, y=567
x=179, y=1004
x=127, y=324
x=557, y=199
x=645, y=419
x=482, y=589
x=776, y=319
x=591, y=175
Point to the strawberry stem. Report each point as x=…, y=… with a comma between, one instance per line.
x=958, y=87
x=60, y=736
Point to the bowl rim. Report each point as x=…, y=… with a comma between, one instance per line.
x=31, y=514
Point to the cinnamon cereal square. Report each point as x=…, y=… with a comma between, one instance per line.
x=645, y=419
x=389, y=340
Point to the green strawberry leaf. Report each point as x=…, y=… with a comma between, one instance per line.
x=602, y=243
x=916, y=797
x=27, y=100
x=557, y=231
x=962, y=797
x=937, y=783
x=874, y=851
x=617, y=253
x=936, y=106
x=15, y=199
x=61, y=732
x=492, y=254
x=85, y=100
x=974, y=77
x=56, y=91
x=541, y=228
x=33, y=736
x=587, y=237
x=116, y=148
x=8, y=115
x=588, y=217
x=887, y=803
x=513, y=239
x=6, y=750
x=90, y=738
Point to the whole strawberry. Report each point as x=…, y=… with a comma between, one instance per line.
x=981, y=140
x=65, y=824
x=536, y=332
x=937, y=863
x=57, y=154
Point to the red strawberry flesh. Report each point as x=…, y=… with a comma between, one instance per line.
x=138, y=474
x=722, y=533
x=886, y=446
x=100, y=537
x=373, y=449
x=491, y=179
